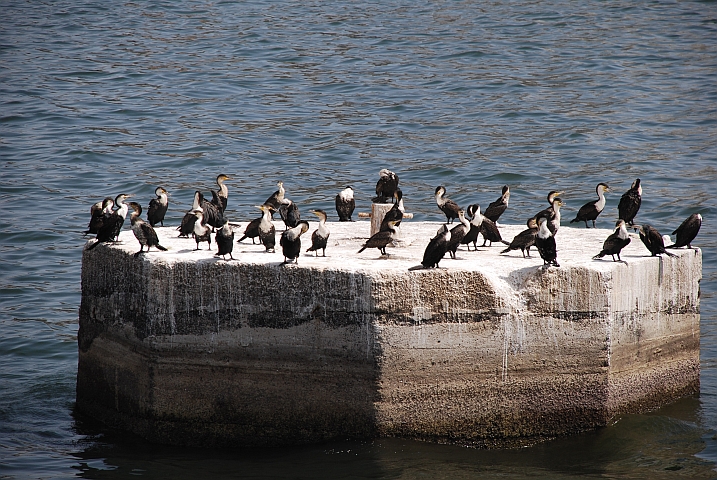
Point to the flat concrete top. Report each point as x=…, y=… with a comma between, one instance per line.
x=576, y=247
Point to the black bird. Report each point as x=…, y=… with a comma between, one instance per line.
x=630, y=203
x=252, y=230
x=549, y=212
x=687, y=231
x=98, y=211
x=447, y=206
x=320, y=237
x=475, y=224
x=158, y=207
x=552, y=213
x=289, y=212
x=614, y=243
x=220, y=198
x=396, y=212
x=213, y=215
x=457, y=234
x=276, y=199
x=112, y=222
x=267, y=231
x=591, y=210
x=225, y=241
x=386, y=186
x=143, y=232
x=186, y=228
x=545, y=243
x=525, y=239
x=496, y=209
x=291, y=241
x=488, y=229
x=202, y=233
x=436, y=248
x=382, y=238
x=345, y=204
x=653, y=241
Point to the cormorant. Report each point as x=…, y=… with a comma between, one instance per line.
x=345, y=204
x=291, y=241
x=614, y=243
x=653, y=241
x=289, y=212
x=436, y=248
x=457, y=234
x=552, y=214
x=252, y=230
x=687, y=231
x=143, y=232
x=545, y=243
x=496, y=209
x=447, y=206
x=591, y=210
x=202, y=233
x=630, y=203
x=549, y=213
x=396, y=212
x=225, y=241
x=267, y=231
x=186, y=228
x=112, y=222
x=386, y=186
x=382, y=238
x=276, y=199
x=525, y=239
x=158, y=207
x=320, y=237
x=475, y=224
x=488, y=229
x=98, y=211
x=219, y=199
x=213, y=215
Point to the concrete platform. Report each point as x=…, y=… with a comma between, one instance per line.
x=182, y=347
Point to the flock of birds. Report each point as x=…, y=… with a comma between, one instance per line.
x=208, y=216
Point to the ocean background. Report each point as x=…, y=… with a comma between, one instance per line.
x=100, y=98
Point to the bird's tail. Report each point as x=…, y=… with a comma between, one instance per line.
x=506, y=250
x=669, y=254
x=505, y=242
x=362, y=249
x=417, y=267
x=93, y=245
x=160, y=247
x=574, y=220
x=599, y=255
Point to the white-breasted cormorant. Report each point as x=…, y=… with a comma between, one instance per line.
x=545, y=243
x=186, y=228
x=591, y=210
x=496, y=209
x=475, y=223
x=630, y=203
x=267, y=231
x=549, y=213
x=202, y=233
x=98, y=211
x=143, y=232
x=345, y=204
x=447, y=206
x=687, y=231
x=112, y=222
x=525, y=239
x=386, y=186
x=615, y=242
x=289, y=213
x=652, y=239
x=320, y=237
x=158, y=207
x=225, y=241
x=213, y=215
x=290, y=241
x=436, y=248
x=457, y=234
x=276, y=199
x=220, y=198
x=396, y=212
x=382, y=238
x=488, y=229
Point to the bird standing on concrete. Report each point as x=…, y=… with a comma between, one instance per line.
x=545, y=243
x=525, y=239
x=457, y=233
x=345, y=204
x=202, y=233
x=496, y=209
x=614, y=243
x=630, y=203
x=591, y=210
x=143, y=232
x=382, y=238
x=225, y=241
x=320, y=237
x=158, y=207
x=652, y=239
x=447, y=206
x=291, y=241
x=687, y=231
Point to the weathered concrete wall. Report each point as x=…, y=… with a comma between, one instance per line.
x=184, y=348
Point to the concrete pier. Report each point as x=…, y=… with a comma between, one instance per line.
x=184, y=348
